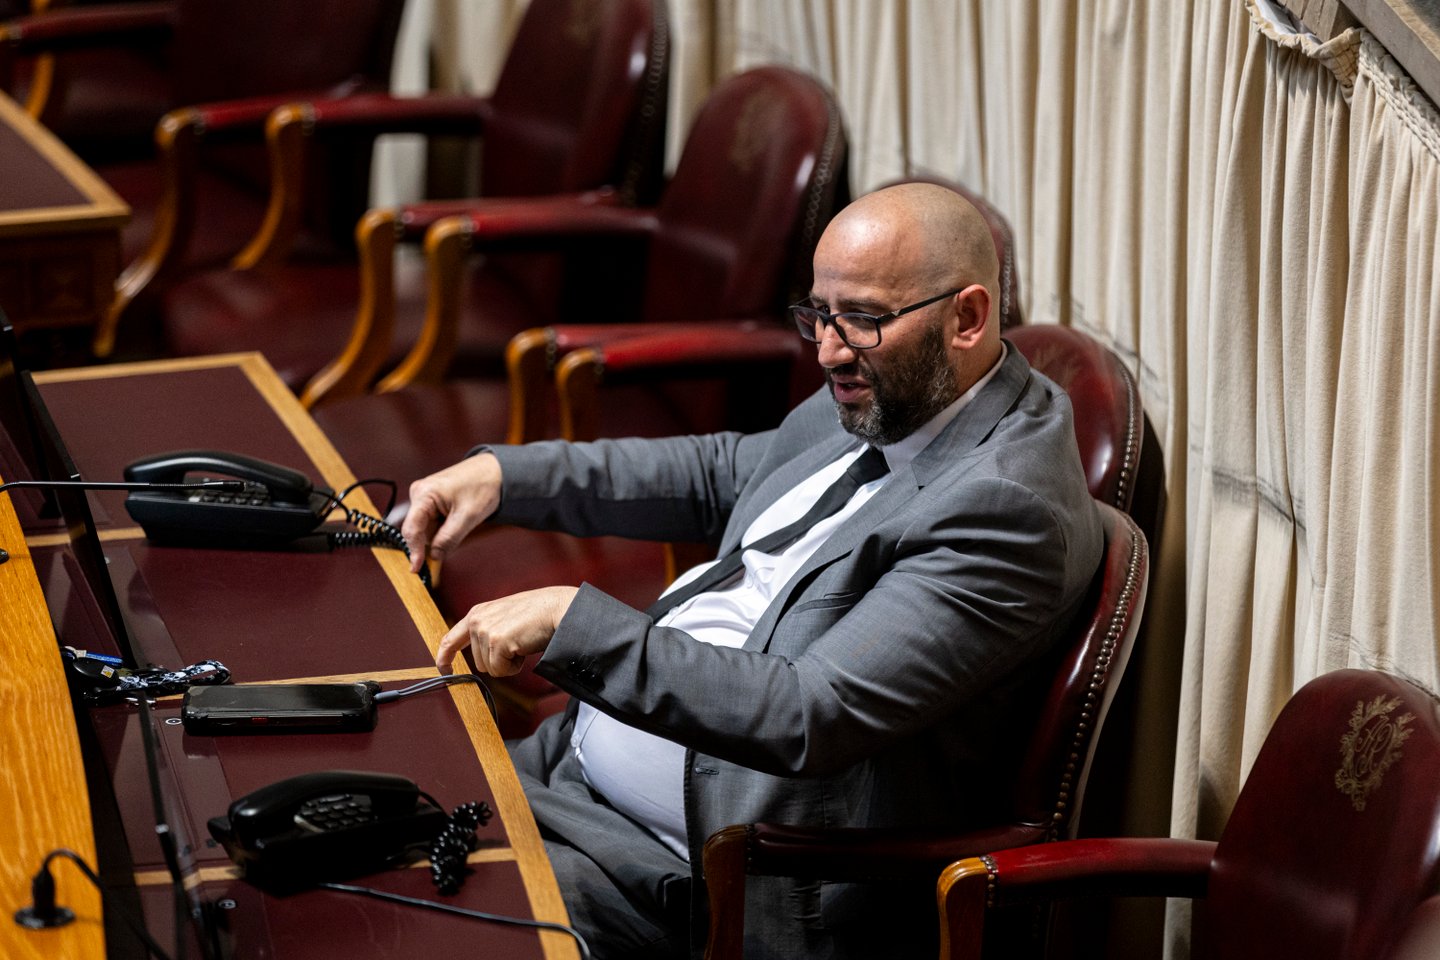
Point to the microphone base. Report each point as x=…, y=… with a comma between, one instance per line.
x=28, y=918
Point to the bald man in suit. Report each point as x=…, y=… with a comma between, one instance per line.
x=859, y=673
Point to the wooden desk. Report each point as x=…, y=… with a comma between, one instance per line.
x=59, y=231
x=289, y=616
x=42, y=780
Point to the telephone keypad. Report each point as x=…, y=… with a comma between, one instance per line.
x=259, y=496
x=334, y=812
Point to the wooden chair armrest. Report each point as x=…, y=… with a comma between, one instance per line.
x=699, y=347
x=967, y=889
x=432, y=114
x=526, y=218
x=493, y=225
x=448, y=240
x=292, y=122
x=178, y=138
x=659, y=351
x=354, y=369
x=1117, y=867
x=860, y=854
x=73, y=28
x=500, y=224
x=743, y=850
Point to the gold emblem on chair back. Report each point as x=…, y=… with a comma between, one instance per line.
x=1370, y=748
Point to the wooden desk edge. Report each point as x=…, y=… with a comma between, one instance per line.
x=44, y=787
x=105, y=208
x=513, y=809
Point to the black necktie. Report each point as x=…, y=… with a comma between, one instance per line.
x=870, y=465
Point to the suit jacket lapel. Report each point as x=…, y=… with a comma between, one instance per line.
x=779, y=481
x=973, y=424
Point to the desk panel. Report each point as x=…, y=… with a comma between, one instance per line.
x=59, y=230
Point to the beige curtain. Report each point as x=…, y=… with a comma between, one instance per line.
x=1249, y=217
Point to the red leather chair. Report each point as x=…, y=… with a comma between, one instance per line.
x=731, y=237
x=1046, y=792
x=1043, y=793
x=579, y=106
x=1331, y=853
x=121, y=67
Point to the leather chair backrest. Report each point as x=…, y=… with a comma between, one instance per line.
x=1335, y=838
x=580, y=101
x=1055, y=754
x=223, y=50
x=754, y=187
x=1109, y=421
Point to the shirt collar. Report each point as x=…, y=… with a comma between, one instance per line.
x=900, y=453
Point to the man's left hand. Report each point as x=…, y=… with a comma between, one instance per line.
x=502, y=633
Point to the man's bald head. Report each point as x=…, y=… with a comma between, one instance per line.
x=925, y=230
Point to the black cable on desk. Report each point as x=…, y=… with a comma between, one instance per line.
x=435, y=683
x=463, y=912
x=44, y=912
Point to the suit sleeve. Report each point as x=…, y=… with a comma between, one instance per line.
x=677, y=488
x=884, y=644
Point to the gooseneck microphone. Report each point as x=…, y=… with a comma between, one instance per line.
x=224, y=486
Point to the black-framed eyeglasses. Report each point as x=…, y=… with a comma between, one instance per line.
x=860, y=331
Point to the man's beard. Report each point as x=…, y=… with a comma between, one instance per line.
x=914, y=388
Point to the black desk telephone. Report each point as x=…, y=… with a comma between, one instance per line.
x=277, y=505
x=328, y=825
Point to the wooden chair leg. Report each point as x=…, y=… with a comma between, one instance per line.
x=352, y=372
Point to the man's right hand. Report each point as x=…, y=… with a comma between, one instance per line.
x=446, y=506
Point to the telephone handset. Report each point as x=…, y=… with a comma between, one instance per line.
x=327, y=825
x=277, y=505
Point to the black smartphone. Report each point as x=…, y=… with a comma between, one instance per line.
x=280, y=708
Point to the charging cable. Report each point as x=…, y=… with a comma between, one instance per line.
x=580, y=943
x=44, y=913
x=435, y=683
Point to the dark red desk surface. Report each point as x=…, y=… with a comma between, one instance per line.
x=283, y=615
x=46, y=189
x=30, y=180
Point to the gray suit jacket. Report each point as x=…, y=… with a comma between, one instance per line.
x=874, y=688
